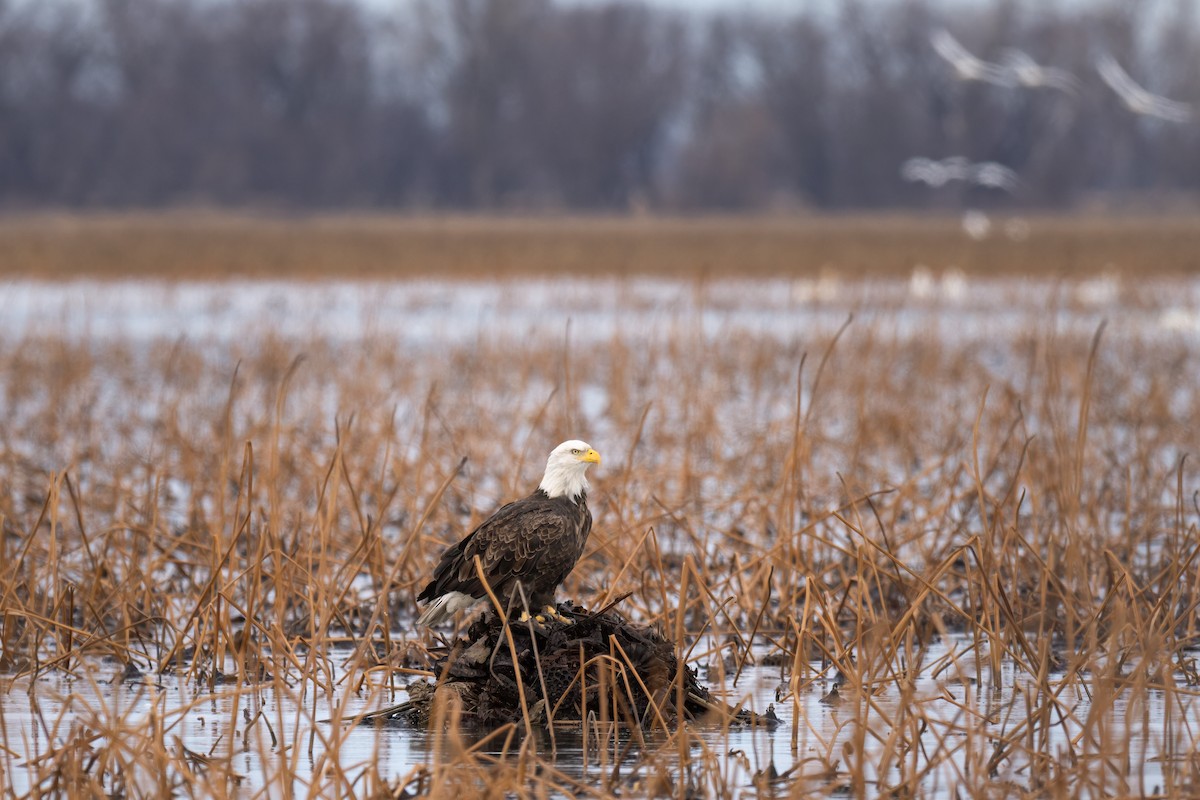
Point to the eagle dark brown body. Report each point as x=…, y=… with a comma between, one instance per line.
x=532, y=543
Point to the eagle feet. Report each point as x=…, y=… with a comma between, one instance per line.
x=552, y=613
x=547, y=613
x=536, y=619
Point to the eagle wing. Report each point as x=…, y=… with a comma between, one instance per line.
x=535, y=541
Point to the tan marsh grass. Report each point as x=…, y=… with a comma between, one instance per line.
x=217, y=245
x=987, y=534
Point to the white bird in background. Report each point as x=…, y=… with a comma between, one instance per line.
x=966, y=66
x=995, y=176
x=976, y=224
x=1137, y=99
x=1016, y=68
x=1027, y=72
x=935, y=173
x=959, y=168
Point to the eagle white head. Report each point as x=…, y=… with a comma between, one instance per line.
x=566, y=467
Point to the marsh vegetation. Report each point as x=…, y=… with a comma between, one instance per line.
x=944, y=523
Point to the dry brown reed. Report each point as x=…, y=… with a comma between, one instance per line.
x=994, y=543
x=219, y=245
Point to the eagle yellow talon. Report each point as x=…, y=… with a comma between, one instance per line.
x=540, y=619
x=552, y=612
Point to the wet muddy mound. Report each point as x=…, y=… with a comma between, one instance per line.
x=631, y=674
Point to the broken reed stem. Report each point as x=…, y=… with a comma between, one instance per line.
x=681, y=667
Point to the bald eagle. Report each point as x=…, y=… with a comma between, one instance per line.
x=531, y=543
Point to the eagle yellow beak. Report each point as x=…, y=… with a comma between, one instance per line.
x=591, y=457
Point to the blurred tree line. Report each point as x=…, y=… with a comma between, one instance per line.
x=605, y=104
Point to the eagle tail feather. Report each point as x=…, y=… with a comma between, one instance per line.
x=443, y=607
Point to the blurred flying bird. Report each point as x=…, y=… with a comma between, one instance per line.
x=995, y=176
x=935, y=173
x=959, y=168
x=1016, y=67
x=1137, y=99
x=966, y=66
x=1027, y=72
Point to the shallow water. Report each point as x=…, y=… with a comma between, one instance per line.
x=266, y=734
x=429, y=313
x=429, y=324
x=263, y=734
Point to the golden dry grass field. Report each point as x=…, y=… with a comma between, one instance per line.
x=934, y=499
x=216, y=245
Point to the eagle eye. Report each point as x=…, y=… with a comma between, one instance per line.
x=575, y=451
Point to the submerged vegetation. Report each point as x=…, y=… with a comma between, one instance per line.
x=968, y=555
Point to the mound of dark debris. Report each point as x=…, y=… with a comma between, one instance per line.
x=498, y=673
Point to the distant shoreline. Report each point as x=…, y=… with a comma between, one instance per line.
x=219, y=245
